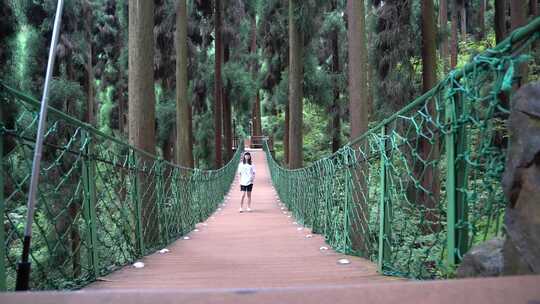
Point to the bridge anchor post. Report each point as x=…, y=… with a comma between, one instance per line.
x=136, y=199
x=384, y=208
x=89, y=201
x=457, y=211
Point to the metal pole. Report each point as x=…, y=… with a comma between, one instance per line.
x=451, y=183
x=23, y=271
x=3, y=248
x=383, y=208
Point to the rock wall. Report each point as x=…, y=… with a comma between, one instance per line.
x=521, y=183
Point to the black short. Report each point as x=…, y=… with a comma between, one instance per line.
x=247, y=188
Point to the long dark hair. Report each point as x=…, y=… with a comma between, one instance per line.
x=244, y=158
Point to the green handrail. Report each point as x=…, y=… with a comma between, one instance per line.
x=422, y=186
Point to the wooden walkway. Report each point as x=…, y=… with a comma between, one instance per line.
x=260, y=249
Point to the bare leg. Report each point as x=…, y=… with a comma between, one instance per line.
x=249, y=199
x=242, y=200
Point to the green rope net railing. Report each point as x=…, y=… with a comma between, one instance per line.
x=417, y=190
x=101, y=203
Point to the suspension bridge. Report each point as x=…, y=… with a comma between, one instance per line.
x=406, y=200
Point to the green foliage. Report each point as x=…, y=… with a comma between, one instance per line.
x=252, y=6
x=240, y=84
x=105, y=111
x=165, y=115
x=318, y=82
x=394, y=53
x=333, y=20
x=469, y=47
x=68, y=97
x=23, y=62
x=316, y=140
x=203, y=151
x=307, y=16
x=280, y=94
x=272, y=32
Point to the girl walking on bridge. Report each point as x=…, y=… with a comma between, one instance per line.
x=247, y=175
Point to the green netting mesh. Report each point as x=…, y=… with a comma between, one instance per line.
x=101, y=203
x=420, y=188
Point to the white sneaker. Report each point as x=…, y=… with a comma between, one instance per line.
x=241, y=210
x=248, y=209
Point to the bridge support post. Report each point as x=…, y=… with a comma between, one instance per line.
x=450, y=184
x=456, y=181
x=384, y=208
x=319, y=178
x=160, y=201
x=89, y=201
x=2, y=212
x=462, y=167
x=136, y=200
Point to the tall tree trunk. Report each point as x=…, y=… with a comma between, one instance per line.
x=227, y=124
x=141, y=110
x=463, y=12
x=296, y=75
x=253, y=47
x=190, y=128
x=184, y=149
x=443, y=25
x=121, y=116
x=429, y=54
x=121, y=86
x=358, y=108
x=335, y=121
x=256, y=116
x=481, y=20
x=227, y=128
x=500, y=20
x=370, y=82
x=454, y=36
x=500, y=6
x=533, y=12
x=357, y=68
x=141, y=77
x=218, y=83
x=90, y=111
x=427, y=170
x=68, y=221
x=259, y=111
x=286, y=137
x=256, y=108
x=518, y=11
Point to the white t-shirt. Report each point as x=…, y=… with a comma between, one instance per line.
x=247, y=174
